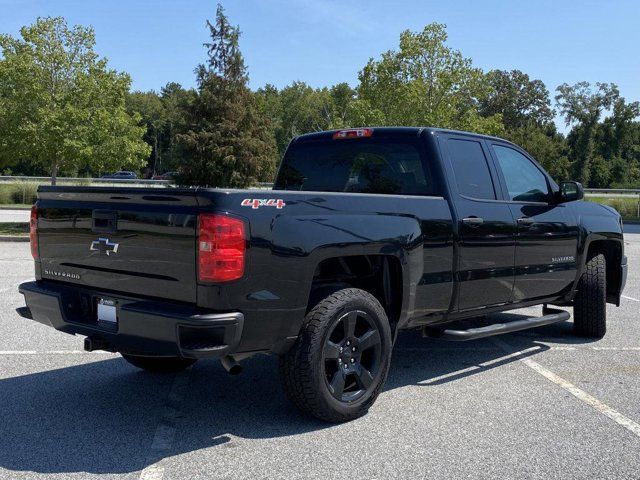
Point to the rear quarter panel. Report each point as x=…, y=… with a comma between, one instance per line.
x=287, y=243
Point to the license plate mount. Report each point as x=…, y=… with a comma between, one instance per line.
x=106, y=311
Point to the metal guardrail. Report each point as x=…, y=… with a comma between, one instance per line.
x=262, y=185
x=115, y=181
x=83, y=181
x=613, y=191
x=620, y=193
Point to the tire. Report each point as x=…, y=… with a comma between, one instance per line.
x=590, y=303
x=159, y=364
x=339, y=363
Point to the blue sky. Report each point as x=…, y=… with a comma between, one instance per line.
x=324, y=42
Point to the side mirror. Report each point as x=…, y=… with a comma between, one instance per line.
x=570, y=191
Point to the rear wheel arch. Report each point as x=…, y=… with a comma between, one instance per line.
x=379, y=274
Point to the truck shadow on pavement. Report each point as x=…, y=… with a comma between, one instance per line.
x=100, y=416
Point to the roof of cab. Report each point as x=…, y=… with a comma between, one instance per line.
x=393, y=131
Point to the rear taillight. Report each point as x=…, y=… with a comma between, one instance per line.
x=33, y=232
x=221, y=248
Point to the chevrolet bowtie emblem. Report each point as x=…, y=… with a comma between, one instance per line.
x=104, y=246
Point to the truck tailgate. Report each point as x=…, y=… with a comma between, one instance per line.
x=133, y=241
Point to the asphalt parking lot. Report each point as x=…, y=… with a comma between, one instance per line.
x=536, y=404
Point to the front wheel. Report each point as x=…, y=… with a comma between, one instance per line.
x=159, y=364
x=590, y=303
x=339, y=364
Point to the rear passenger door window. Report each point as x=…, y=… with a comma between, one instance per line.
x=471, y=169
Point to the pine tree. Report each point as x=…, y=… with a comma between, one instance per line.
x=229, y=143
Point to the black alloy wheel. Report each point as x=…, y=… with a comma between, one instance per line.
x=339, y=363
x=351, y=355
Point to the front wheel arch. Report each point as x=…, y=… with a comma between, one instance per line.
x=590, y=306
x=612, y=249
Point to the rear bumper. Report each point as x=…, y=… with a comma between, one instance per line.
x=143, y=327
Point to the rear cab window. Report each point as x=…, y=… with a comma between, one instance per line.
x=382, y=164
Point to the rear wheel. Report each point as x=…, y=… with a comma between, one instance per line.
x=338, y=366
x=590, y=304
x=159, y=364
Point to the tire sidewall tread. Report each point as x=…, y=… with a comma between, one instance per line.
x=302, y=369
x=590, y=303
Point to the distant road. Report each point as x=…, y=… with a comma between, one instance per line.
x=14, y=216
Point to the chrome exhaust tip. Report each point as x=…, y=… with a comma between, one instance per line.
x=231, y=365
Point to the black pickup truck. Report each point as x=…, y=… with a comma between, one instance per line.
x=366, y=232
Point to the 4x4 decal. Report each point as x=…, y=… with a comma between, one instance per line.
x=263, y=202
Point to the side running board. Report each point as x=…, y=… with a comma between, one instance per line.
x=552, y=316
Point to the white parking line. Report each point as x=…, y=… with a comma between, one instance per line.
x=493, y=349
x=398, y=349
x=580, y=394
x=480, y=366
x=630, y=298
x=166, y=431
x=601, y=407
x=617, y=349
x=53, y=352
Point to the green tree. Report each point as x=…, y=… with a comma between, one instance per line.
x=270, y=106
x=527, y=116
x=618, y=135
x=299, y=108
x=177, y=102
x=61, y=108
x=517, y=98
x=545, y=145
x=150, y=107
x=582, y=107
x=425, y=82
x=617, y=141
x=164, y=116
x=228, y=143
x=599, y=172
x=342, y=95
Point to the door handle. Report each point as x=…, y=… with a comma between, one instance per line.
x=526, y=221
x=473, y=221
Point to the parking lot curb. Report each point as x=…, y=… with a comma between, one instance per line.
x=14, y=238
